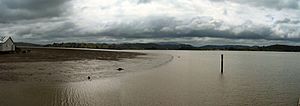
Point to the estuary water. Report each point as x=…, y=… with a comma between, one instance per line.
x=192, y=78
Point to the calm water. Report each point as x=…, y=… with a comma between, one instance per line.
x=192, y=78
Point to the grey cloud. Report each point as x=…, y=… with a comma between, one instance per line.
x=43, y=21
x=37, y=30
x=157, y=27
x=277, y=4
x=287, y=21
x=195, y=27
x=12, y=10
x=143, y=1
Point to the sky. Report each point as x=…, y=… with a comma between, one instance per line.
x=195, y=22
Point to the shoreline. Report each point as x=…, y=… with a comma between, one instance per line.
x=79, y=70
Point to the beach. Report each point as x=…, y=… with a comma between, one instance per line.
x=72, y=65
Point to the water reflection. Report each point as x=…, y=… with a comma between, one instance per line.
x=87, y=93
x=250, y=78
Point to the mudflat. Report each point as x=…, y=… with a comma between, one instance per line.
x=59, y=54
x=72, y=65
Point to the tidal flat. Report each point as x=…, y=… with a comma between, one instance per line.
x=72, y=65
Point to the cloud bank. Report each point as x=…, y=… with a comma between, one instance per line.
x=197, y=22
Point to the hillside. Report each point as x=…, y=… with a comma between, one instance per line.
x=27, y=44
x=176, y=46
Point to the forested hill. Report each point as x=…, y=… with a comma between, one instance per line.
x=175, y=46
x=139, y=46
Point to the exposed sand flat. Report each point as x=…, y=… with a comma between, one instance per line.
x=62, y=68
x=61, y=54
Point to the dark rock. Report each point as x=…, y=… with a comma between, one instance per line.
x=120, y=69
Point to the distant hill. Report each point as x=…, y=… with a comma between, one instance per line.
x=27, y=44
x=135, y=46
x=281, y=48
x=166, y=46
x=286, y=48
x=223, y=47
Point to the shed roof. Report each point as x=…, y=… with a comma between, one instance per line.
x=4, y=39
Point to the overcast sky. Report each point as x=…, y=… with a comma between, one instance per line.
x=197, y=22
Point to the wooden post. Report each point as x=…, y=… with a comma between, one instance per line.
x=299, y=102
x=221, y=63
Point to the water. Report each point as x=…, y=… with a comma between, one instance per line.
x=192, y=78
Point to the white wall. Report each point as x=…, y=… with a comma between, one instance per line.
x=8, y=46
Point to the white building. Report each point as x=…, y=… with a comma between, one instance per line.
x=6, y=44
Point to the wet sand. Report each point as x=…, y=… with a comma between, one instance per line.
x=71, y=65
x=61, y=54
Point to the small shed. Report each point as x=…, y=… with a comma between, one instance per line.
x=7, y=44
